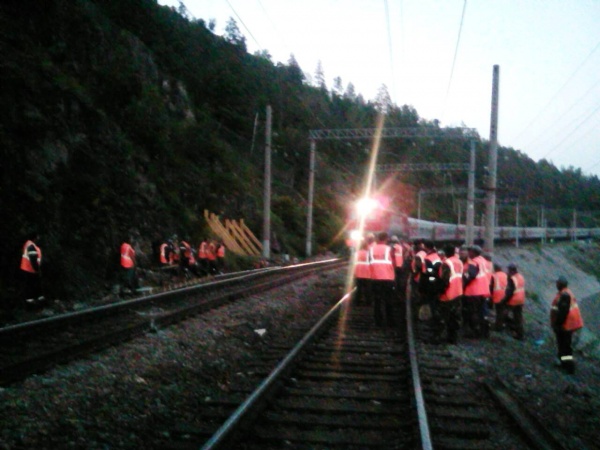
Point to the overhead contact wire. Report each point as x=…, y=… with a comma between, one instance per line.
x=462, y=18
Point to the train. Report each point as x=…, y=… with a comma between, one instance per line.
x=378, y=216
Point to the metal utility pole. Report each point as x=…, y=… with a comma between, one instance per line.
x=311, y=188
x=266, y=250
x=490, y=203
x=517, y=224
x=470, y=220
x=543, y=225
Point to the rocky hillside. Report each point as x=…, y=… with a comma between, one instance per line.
x=122, y=117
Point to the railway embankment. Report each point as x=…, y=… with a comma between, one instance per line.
x=541, y=265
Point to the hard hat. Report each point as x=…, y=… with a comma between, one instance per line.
x=394, y=239
x=562, y=280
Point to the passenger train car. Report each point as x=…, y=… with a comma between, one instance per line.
x=379, y=217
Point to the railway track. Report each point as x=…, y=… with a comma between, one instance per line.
x=349, y=384
x=36, y=346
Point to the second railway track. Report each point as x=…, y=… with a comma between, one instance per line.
x=32, y=347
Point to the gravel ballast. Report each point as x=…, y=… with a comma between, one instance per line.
x=134, y=395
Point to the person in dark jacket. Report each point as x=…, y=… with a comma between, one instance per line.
x=565, y=319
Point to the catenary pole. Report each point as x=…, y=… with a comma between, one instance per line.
x=470, y=219
x=517, y=224
x=311, y=188
x=490, y=199
x=266, y=250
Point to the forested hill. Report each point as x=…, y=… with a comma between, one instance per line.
x=122, y=116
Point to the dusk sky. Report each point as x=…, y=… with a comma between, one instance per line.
x=548, y=52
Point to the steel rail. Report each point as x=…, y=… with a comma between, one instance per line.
x=226, y=432
x=532, y=429
x=44, y=361
x=56, y=321
x=425, y=433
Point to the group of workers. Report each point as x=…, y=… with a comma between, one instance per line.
x=175, y=255
x=178, y=256
x=454, y=288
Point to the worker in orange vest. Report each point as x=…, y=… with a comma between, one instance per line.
x=31, y=272
x=498, y=288
x=128, y=266
x=166, y=251
x=401, y=275
x=203, y=256
x=211, y=256
x=221, y=257
x=513, y=301
x=430, y=286
x=416, y=269
x=565, y=319
x=476, y=291
x=382, y=280
x=448, y=316
x=362, y=275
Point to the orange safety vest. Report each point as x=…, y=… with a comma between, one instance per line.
x=26, y=262
x=398, y=255
x=455, y=287
x=221, y=252
x=421, y=254
x=480, y=286
x=500, y=283
x=362, y=268
x=518, y=297
x=382, y=266
x=574, y=320
x=202, y=250
x=127, y=256
x=434, y=258
x=188, y=252
x=211, y=252
x=489, y=270
x=163, y=254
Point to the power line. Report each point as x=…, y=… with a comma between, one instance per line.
x=563, y=114
x=273, y=25
x=588, y=117
x=244, y=25
x=462, y=18
x=593, y=128
x=585, y=60
x=389, y=33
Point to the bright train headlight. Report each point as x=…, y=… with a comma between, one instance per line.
x=355, y=235
x=365, y=205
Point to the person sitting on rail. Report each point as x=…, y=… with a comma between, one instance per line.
x=565, y=319
x=382, y=280
x=513, y=301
